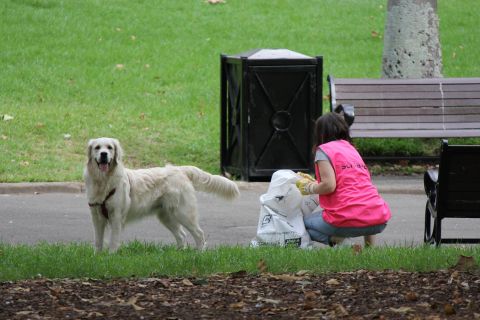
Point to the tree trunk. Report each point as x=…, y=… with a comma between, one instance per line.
x=411, y=40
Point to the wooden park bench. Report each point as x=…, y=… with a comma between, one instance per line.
x=409, y=108
x=453, y=191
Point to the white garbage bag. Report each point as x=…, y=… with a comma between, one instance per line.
x=281, y=213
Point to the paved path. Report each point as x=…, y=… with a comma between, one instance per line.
x=59, y=213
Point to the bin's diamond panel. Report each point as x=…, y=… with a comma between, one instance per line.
x=234, y=114
x=281, y=102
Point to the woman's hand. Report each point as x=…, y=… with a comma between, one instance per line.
x=306, y=186
x=306, y=176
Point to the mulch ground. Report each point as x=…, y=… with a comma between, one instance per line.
x=447, y=294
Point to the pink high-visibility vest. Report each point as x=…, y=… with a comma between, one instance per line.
x=355, y=201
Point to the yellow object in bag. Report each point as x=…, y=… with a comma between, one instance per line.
x=305, y=186
x=306, y=176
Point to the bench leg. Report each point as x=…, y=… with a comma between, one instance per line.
x=437, y=231
x=428, y=233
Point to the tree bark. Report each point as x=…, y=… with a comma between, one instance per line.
x=411, y=40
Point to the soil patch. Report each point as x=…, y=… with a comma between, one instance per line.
x=361, y=294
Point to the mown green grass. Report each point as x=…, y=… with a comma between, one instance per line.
x=145, y=260
x=147, y=72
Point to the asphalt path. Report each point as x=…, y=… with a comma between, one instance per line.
x=64, y=217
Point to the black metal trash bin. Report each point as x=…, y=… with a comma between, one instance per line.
x=270, y=99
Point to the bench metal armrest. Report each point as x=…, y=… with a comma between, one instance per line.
x=348, y=112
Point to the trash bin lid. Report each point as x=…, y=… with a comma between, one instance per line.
x=271, y=54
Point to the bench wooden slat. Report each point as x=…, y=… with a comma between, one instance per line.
x=410, y=103
x=461, y=95
x=415, y=125
x=427, y=95
x=418, y=118
x=416, y=111
x=474, y=87
x=416, y=133
x=413, y=95
x=443, y=81
x=386, y=88
x=461, y=87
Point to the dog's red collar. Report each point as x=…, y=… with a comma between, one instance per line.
x=102, y=205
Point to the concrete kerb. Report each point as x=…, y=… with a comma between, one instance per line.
x=384, y=184
x=41, y=187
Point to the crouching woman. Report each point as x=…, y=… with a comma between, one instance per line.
x=350, y=205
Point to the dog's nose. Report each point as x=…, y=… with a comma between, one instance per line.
x=103, y=157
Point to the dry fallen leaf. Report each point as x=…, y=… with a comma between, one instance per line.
x=302, y=273
x=94, y=314
x=333, y=282
x=286, y=277
x=187, y=282
x=411, y=296
x=453, y=276
x=164, y=282
x=262, y=266
x=133, y=302
x=310, y=295
x=401, y=309
x=56, y=290
x=465, y=263
x=465, y=285
x=267, y=300
x=310, y=300
x=357, y=249
x=340, y=310
x=449, y=309
x=237, y=305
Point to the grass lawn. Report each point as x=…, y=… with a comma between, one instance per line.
x=145, y=260
x=147, y=72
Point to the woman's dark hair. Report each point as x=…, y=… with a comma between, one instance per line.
x=330, y=127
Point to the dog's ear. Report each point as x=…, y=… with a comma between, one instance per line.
x=118, y=151
x=89, y=149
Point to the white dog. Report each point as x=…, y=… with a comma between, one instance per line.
x=117, y=195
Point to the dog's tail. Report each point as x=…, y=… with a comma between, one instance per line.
x=204, y=181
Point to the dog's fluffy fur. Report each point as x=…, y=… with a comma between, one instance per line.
x=167, y=192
